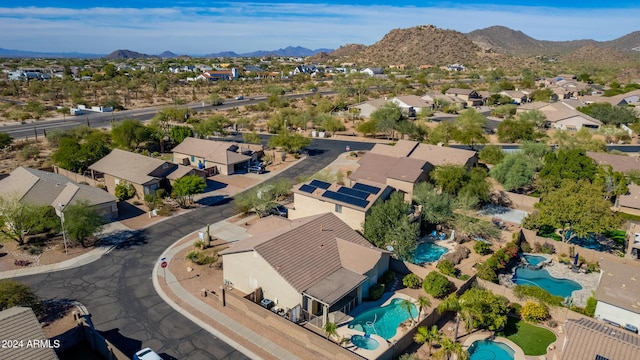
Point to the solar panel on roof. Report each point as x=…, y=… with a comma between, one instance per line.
x=308, y=188
x=345, y=199
x=353, y=192
x=366, y=188
x=320, y=184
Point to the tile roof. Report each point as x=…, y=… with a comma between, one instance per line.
x=442, y=155
x=128, y=166
x=620, y=284
x=21, y=324
x=47, y=188
x=214, y=151
x=373, y=168
x=402, y=148
x=408, y=169
x=412, y=100
x=621, y=163
x=587, y=338
x=632, y=198
x=308, y=253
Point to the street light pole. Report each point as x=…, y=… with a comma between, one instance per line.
x=64, y=234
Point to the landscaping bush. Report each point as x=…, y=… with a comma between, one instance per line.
x=525, y=247
x=411, y=281
x=436, y=285
x=124, y=191
x=458, y=255
x=201, y=258
x=387, y=278
x=534, y=292
x=489, y=269
x=376, y=291
x=547, y=248
x=590, y=308
x=534, y=312
x=482, y=248
x=446, y=267
x=515, y=308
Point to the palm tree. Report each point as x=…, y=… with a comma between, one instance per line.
x=452, y=303
x=446, y=349
x=423, y=302
x=330, y=329
x=431, y=335
x=408, y=305
x=459, y=351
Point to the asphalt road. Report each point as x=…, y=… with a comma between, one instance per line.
x=118, y=292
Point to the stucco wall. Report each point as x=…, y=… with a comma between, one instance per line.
x=307, y=206
x=240, y=268
x=616, y=314
x=404, y=186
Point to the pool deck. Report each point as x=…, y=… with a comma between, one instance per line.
x=345, y=332
x=485, y=335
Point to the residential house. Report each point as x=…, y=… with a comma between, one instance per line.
x=471, y=97
x=435, y=97
x=618, y=293
x=46, y=188
x=18, y=326
x=349, y=203
x=366, y=108
x=443, y=155
x=517, y=97
x=631, y=98
x=372, y=71
x=214, y=75
x=412, y=104
x=593, y=340
x=455, y=67
x=621, y=163
x=317, y=266
x=563, y=115
x=633, y=234
x=305, y=69
x=144, y=173
x=216, y=157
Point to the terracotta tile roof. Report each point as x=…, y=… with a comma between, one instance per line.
x=215, y=151
x=620, y=284
x=442, y=155
x=21, y=324
x=587, y=338
x=307, y=252
x=621, y=163
x=402, y=148
x=128, y=166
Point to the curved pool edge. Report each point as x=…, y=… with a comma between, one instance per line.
x=518, y=352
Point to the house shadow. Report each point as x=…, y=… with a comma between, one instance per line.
x=125, y=344
x=137, y=239
x=213, y=200
x=128, y=211
x=213, y=185
x=315, y=152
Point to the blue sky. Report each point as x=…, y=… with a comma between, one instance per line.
x=201, y=27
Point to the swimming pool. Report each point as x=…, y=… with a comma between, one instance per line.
x=364, y=342
x=534, y=260
x=590, y=242
x=383, y=321
x=490, y=350
x=541, y=278
x=428, y=252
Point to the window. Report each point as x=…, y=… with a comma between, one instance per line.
x=339, y=209
x=600, y=357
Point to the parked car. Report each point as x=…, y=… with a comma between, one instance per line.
x=279, y=210
x=239, y=97
x=146, y=354
x=255, y=169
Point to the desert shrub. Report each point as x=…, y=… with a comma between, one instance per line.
x=534, y=312
x=376, y=291
x=460, y=253
x=165, y=210
x=525, y=247
x=28, y=152
x=411, y=281
x=387, y=278
x=436, y=285
x=547, y=248
x=534, y=292
x=201, y=258
x=482, y=248
x=446, y=267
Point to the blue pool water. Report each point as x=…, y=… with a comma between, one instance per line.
x=364, y=342
x=534, y=259
x=490, y=350
x=428, y=252
x=383, y=321
x=541, y=278
x=590, y=243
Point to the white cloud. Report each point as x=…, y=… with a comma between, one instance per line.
x=244, y=27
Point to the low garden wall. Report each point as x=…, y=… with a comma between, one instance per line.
x=521, y=202
x=75, y=176
x=564, y=248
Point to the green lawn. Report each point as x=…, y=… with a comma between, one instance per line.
x=533, y=340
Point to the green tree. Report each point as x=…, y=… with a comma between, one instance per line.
x=386, y=118
x=179, y=133
x=18, y=219
x=436, y=285
x=437, y=208
x=535, y=116
x=451, y=303
x=81, y=221
x=290, y=143
x=442, y=133
x=516, y=171
x=186, y=187
x=422, y=302
x=330, y=329
x=215, y=99
x=447, y=267
x=13, y=293
x=384, y=218
x=541, y=95
x=610, y=114
x=408, y=306
x=213, y=125
x=430, y=335
x=567, y=164
x=412, y=281
x=470, y=128
x=129, y=134
x=481, y=309
x=450, y=178
x=5, y=140
x=332, y=124
x=367, y=128
x=564, y=208
x=491, y=154
x=251, y=138
x=514, y=130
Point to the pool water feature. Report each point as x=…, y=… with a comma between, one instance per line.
x=534, y=260
x=542, y=278
x=490, y=350
x=428, y=252
x=365, y=342
x=383, y=321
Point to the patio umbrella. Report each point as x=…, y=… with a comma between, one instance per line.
x=575, y=261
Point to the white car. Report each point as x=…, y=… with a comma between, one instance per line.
x=146, y=354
